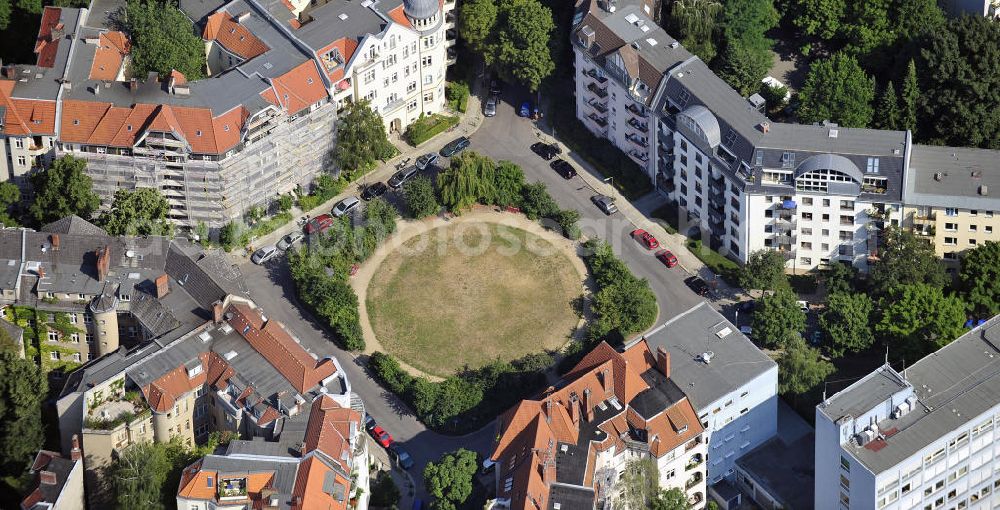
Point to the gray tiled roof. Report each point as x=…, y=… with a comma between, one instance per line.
x=59, y=466
x=74, y=224
x=953, y=177
x=737, y=361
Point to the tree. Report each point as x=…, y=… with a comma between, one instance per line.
x=775, y=96
x=508, y=181
x=764, y=270
x=137, y=476
x=672, y=499
x=536, y=201
x=162, y=39
x=10, y=195
x=285, y=203
x=919, y=319
x=640, y=483
x=914, y=18
x=846, y=322
x=464, y=181
x=742, y=67
x=839, y=278
x=449, y=480
x=523, y=29
x=960, y=83
x=979, y=276
x=747, y=57
x=22, y=387
x=385, y=494
x=5, y=12
x=627, y=306
x=910, y=100
x=361, y=139
x=420, y=199
x=800, y=367
x=380, y=218
x=749, y=20
x=868, y=28
x=693, y=23
x=837, y=89
x=63, y=190
x=903, y=258
x=141, y=212
x=778, y=317
x=889, y=116
x=820, y=18
x=476, y=23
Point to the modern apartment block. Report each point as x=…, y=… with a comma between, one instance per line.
x=818, y=194
x=922, y=438
x=948, y=200
x=569, y=448
x=263, y=122
x=732, y=385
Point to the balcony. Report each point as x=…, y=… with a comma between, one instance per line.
x=598, y=91
x=696, y=498
x=638, y=126
x=232, y=489
x=600, y=121
x=600, y=108
x=641, y=156
x=695, y=461
x=638, y=111
x=593, y=75
x=641, y=142
x=694, y=480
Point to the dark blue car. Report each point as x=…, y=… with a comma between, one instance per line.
x=525, y=110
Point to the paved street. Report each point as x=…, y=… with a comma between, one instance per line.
x=504, y=137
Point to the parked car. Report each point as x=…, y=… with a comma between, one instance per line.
x=605, y=204
x=319, y=224
x=525, y=110
x=374, y=190
x=747, y=330
x=698, y=285
x=264, y=254
x=401, y=456
x=369, y=422
x=488, y=465
x=645, y=238
x=398, y=178
x=496, y=87
x=490, y=110
x=546, y=150
x=563, y=168
x=345, y=206
x=381, y=436
x=426, y=160
x=454, y=147
x=418, y=504
x=286, y=242
x=668, y=258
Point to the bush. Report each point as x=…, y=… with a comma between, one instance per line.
x=537, y=203
x=421, y=201
x=567, y=219
x=428, y=127
x=285, y=203
x=623, y=303
x=385, y=494
x=718, y=264
x=326, y=188
x=458, y=96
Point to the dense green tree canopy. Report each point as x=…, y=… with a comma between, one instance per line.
x=743, y=67
x=918, y=319
x=673, y=499
x=449, y=480
x=514, y=36
x=959, y=74
x=361, y=139
x=476, y=23
x=508, y=183
x=10, y=195
x=800, y=367
x=903, y=258
x=764, y=270
x=140, y=212
x=980, y=278
x=628, y=306
x=837, y=89
x=163, y=39
x=420, y=198
x=747, y=57
x=693, y=23
x=22, y=387
x=467, y=180
x=640, y=482
x=889, y=116
x=777, y=318
x=820, y=18
x=839, y=278
x=846, y=323
x=63, y=190
x=910, y=100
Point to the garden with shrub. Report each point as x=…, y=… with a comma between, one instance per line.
x=428, y=126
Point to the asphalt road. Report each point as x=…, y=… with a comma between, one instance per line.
x=504, y=137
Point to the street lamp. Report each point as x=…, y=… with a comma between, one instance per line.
x=611, y=181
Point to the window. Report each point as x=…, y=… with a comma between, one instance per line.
x=54, y=355
x=428, y=97
x=807, y=216
x=950, y=241
x=845, y=464
x=988, y=229
x=76, y=357
x=807, y=231
x=845, y=482
x=826, y=217
x=53, y=336
x=426, y=61
x=973, y=212
x=807, y=201
x=972, y=228
x=951, y=211
x=825, y=232
x=872, y=166
x=951, y=227
x=18, y=143
x=369, y=76
x=972, y=242
x=22, y=161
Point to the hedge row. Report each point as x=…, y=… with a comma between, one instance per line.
x=428, y=127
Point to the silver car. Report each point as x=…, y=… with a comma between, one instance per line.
x=345, y=206
x=604, y=203
x=286, y=242
x=491, y=107
x=264, y=254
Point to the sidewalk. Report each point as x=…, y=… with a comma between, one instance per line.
x=469, y=123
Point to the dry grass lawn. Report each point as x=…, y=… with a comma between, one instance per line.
x=467, y=294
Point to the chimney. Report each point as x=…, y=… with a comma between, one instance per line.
x=548, y=411
x=588, y=410
x=574, y=409
x=47, y=477
x=41, y=273
x=217, y=312
x=983, y=190
x=162, y=286
x=663, y=361
x=54, y=238
x=133, y=84
x=103, y=262
x=765, y=127
x=76, y=454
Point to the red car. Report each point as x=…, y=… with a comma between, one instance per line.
x=645, y=238
x=381, y=436
x=668, y=259
x=319, y=224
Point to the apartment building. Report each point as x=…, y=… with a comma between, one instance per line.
x=261, y=125
x=819, y=194
x=58, y=481
x=326, y=467
x=948, y=201
x=569, y=448
x=922, y=438
x=85, y=293
x=732, y=385
x=987, y=8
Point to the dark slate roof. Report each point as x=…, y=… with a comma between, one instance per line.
x=786, y=471
x=193, y=278
x=56, y=464
x=74, y=224
x=953, y=177
x=570, y=497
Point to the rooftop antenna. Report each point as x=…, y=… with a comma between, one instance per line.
x=887, y=354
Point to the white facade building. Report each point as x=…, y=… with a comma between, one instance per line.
x=918, y=439
x=735, y=393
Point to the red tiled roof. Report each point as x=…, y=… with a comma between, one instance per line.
x=346, y=47
x=28, y=116
x=308, y=491
x=329, y=430
x=46, y=44
x=274, y=343
x=227, y=31
x=178, y=77
x=163, y=393
x=399, y=16
x=299, y=88
x=112, y=47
